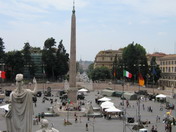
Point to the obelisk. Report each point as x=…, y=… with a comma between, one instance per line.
x=72, y=92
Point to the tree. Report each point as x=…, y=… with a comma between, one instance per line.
x=29, y=64
x=62, y=59
x=154, y=71
x=90, y=69
x=117, y=69
x=135, y=60
x=49, y=57
x=2, y=52
x=101, y=73
x=14, y=64
x=49, y=43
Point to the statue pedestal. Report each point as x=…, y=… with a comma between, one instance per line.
x=72, y=94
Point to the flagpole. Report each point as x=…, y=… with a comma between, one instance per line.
x=124, y=109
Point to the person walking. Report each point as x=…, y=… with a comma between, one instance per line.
x=86, y=126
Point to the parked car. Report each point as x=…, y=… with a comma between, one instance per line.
x=64, y=97
x=7, y=92
x=39, y=94
x=143, y=130
x=80, y=96
x=142, y=92
x=169, y=106
x=151, y=96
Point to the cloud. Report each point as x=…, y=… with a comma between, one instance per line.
x=162, y=33
x=33, y=9
x=152, y=7
x=57, y=4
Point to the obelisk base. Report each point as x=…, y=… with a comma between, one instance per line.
x=72, y=94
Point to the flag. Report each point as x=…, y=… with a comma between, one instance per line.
x=141, y=79
x=154, y=71
x=114, y=73
x=127, y=74
x=2, y=74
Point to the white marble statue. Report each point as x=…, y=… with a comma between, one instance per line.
x=19, y=117
x=44, y=127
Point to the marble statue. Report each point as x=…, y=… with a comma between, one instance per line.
x=19, y=116
x=44, y=127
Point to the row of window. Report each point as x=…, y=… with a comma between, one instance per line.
x=104, y=58
x=168, y=69
x=169, y=62
x=169, y=77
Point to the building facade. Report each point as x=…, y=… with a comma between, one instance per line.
x=168, y=68
x=36, y=58
x=106, y=58
x=157, y=55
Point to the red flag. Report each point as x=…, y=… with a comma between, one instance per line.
x=114, y=73
x=2, y=74
x=141, y=79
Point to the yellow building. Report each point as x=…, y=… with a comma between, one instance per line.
x=106, y=58
x=157, y=55
x=168, y=68
x=167, y=64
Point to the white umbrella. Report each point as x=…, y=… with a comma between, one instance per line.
x=5, y=107
x=83, y=90
x=104, y=99
x=106, y=103
x=113, y=109
x=161, y=96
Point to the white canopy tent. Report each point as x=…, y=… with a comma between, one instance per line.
x=161, y=96
x=83, y=90
x=107, y=106
x=113, y=109
x=106, y=103
x=5, y=107
x=104, y=99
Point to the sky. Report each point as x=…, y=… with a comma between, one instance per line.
x=101, y=24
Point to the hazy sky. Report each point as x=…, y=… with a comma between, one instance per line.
x=101, y=24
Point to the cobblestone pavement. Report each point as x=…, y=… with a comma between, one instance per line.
x=99, y=124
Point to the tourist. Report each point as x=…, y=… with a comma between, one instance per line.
x=86, y=126
x=143, y=106
x=76, y=119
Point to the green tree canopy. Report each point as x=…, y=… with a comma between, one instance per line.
x=117, y=68
x=62, y=59
x=135, y=60
x=101, y=73
x=2, y=52
x=154, y=71
x=90, y=69
x=49, y=43
x=14, y=64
